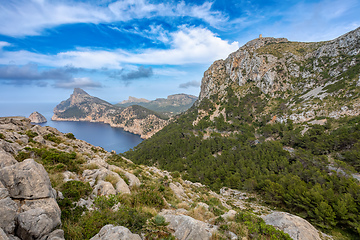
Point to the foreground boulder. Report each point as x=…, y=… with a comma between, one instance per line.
x=111, y=232
x=28, y=209
x=26, y=180
x=188, y=228
x=296, y=227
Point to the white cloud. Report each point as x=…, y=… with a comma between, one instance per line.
x=4, y=44
x=187, y=45
x=31, y=17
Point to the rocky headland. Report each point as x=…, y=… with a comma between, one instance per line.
x=135, y=119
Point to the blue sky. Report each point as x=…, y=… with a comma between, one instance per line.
x=143, y=48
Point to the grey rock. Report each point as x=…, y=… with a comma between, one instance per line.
x=188, y=228
x=111, y=232
x=39, y=139
x=296, y=227
x=178, y=189
x=4, y=193
x=50, y=207
x=103, y=188
x=3, y=235
x=229, y=215
x=8, y=213
x=36, y=117
x=33, y=224
x=26, y=180
x=58, y=234
x=6, y=159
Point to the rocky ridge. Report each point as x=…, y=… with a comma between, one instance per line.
x=172, y=105
x=135, y=119
x=36, y=117
x=308, y=77
x=190, y=210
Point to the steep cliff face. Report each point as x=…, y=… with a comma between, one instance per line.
x=83, y=107
x=308, y=77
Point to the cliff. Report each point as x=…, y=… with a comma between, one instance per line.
x=83, y=107
x=308, y=77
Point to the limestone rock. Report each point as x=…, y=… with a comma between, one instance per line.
x=26, y=180
x=103, y=188
x=229, y=215
x=58, y=234
x=296, y=227
x=3, y=235
x=33, y=224
x=8, y=213
x=188, y=228
x=111, y=232
x=36, y=117
x=178, y=189
x=6, y=159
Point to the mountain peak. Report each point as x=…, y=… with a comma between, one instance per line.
x=79, y=91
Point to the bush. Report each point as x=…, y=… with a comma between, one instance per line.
x=75, y=190
x=70, y=136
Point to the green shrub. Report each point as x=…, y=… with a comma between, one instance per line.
x=70, y=136
x=2, y=136
x=21, y=156
x=75, y=190
x=31, y=134
x=53, y=138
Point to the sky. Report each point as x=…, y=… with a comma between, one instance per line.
x=143, y=48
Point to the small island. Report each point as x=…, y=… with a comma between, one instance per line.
x=37, y=117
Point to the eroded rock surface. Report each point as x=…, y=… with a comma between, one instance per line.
x=297, y=227
x=111, y=232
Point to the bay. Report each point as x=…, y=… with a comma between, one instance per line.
x=98, y=134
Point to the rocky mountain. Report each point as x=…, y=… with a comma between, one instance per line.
x=45, y=174
x=133, y=101
x=306, y=79
x=172, y=105
x=279, y=119
x=83, y=107
x=36, y=117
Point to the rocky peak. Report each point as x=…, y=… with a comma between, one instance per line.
x=79, y=91
x=259, y=42
x=36, y=117
x=134, y=100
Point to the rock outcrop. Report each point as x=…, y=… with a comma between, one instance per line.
x=135, y=119
x=188, y=228
x=299, y=73
x=27, y=207
x=36, y=117
x=296, y=227
x=111, y=232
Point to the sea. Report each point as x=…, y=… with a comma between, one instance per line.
x=97, y=134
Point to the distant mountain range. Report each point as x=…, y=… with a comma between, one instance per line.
x=172, y=105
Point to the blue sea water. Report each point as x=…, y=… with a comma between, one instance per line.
x=98, y=134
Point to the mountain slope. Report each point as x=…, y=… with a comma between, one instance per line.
x=83, y=107
x=280, y=119
x=172, y=105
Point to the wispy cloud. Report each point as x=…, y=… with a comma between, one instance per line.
x=190, y=84
x=31, y=17
x=187, y=45
x=83, y=82
x=141, y=72
x=30, y=74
